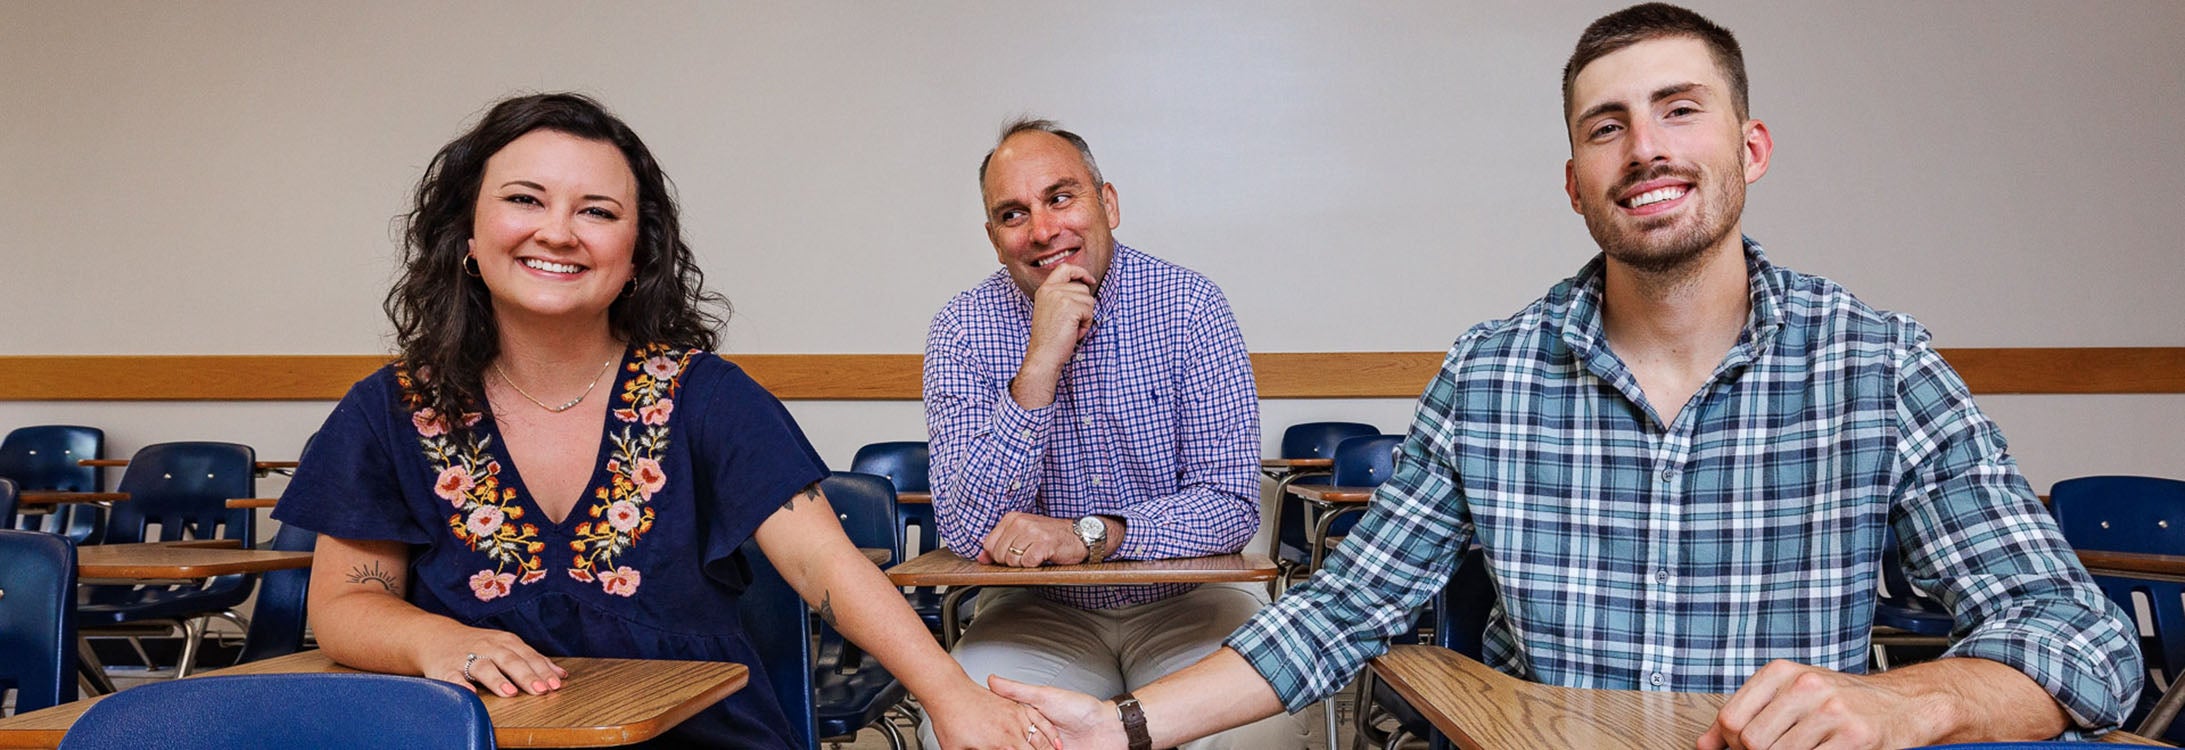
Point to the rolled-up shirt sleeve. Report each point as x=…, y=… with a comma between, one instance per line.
x=1975, y=537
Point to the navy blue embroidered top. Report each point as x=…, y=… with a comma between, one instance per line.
x=695, y=455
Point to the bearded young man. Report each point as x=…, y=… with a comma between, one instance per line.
x=1682, y=464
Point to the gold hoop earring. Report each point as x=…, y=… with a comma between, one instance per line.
x=470, y=266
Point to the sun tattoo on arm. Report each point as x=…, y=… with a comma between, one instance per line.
x=810, y=492
x=372, y=573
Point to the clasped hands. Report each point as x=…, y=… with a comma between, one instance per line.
x=1784, y=706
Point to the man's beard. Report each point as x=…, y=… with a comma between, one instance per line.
x=1651, y=253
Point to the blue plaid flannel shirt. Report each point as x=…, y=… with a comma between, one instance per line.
x=1155, y=421
x=1632, y=555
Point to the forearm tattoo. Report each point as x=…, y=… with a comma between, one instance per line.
x=827, y=608
x=810, y=492
x=372, y=573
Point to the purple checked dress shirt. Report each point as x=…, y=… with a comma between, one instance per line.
x=1155, y=421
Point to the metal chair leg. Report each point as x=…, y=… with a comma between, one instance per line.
x=2165, y=711
x=193, y=634
x=888, y=730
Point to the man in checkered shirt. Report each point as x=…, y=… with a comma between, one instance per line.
x=1091, y=402
x=1682, y=465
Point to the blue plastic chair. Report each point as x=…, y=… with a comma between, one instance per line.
x=851, y=692
x=277, y=622
x=37, y=618
x=43, y=458
x=905, y=464
x=2144, y=515
x=7, y=503
x=1363, y=461
x=1467, y=603
x=184, y=489
x=350, y=711
x=1292, y=541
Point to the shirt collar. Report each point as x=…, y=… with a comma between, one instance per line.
x=1580, y=305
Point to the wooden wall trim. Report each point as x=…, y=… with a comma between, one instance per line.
x=895, y=377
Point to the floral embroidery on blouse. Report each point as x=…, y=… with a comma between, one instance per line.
x=487, y=516
x=621, y=512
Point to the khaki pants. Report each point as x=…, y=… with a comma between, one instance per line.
x=1018, y=635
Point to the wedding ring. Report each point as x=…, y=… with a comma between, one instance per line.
x=469, y=659
x=1018, y=551
x=1031, y=730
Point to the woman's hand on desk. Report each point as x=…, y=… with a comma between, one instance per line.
x=504, y=663
x=1085, y=722
x=977, y=719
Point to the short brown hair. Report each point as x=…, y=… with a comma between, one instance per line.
x=1650, y=21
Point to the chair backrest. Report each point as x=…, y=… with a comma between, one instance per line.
x=905, y=463
x=865, y=504
x=185, y=487
x=43, y=458
x=37, y=618
x=2133, y=514
x=1365, y=461
x=1319, y=439
x=7, y=503
x=277, y=624
x=780, y=629
x=353, y=711
x=2121, y=514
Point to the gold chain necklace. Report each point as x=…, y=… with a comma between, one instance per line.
x=603, y=368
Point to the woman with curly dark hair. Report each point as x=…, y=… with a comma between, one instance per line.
x=551, y=319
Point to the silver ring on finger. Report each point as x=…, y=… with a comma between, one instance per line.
x=469, y=659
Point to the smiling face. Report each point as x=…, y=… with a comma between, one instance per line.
x=1043, y=208
x=1659, y=157
x=555, y=226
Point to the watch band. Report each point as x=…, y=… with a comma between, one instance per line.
x=1134, y=721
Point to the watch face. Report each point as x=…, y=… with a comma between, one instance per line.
x=1090, y=526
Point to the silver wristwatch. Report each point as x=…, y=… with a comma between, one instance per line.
x=1094, y=533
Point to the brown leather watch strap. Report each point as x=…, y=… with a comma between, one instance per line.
x=1134, y=721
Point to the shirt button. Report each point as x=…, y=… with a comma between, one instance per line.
x=1657, y=679
x=1096, y=481
x=1661, y=576
x=1667, y=476
x=1013, y=485
x=1087, y=421
x=1026, y=434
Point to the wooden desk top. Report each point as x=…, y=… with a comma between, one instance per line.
x=1295, y=464
x=116, y=463
x=914, y=498
x=252, y=502
x=945, y=568
x=603, y=702
x=63, y=498
x=1479, y=707
x=2129, y=563
x=1328, y=493
x=192, y=559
